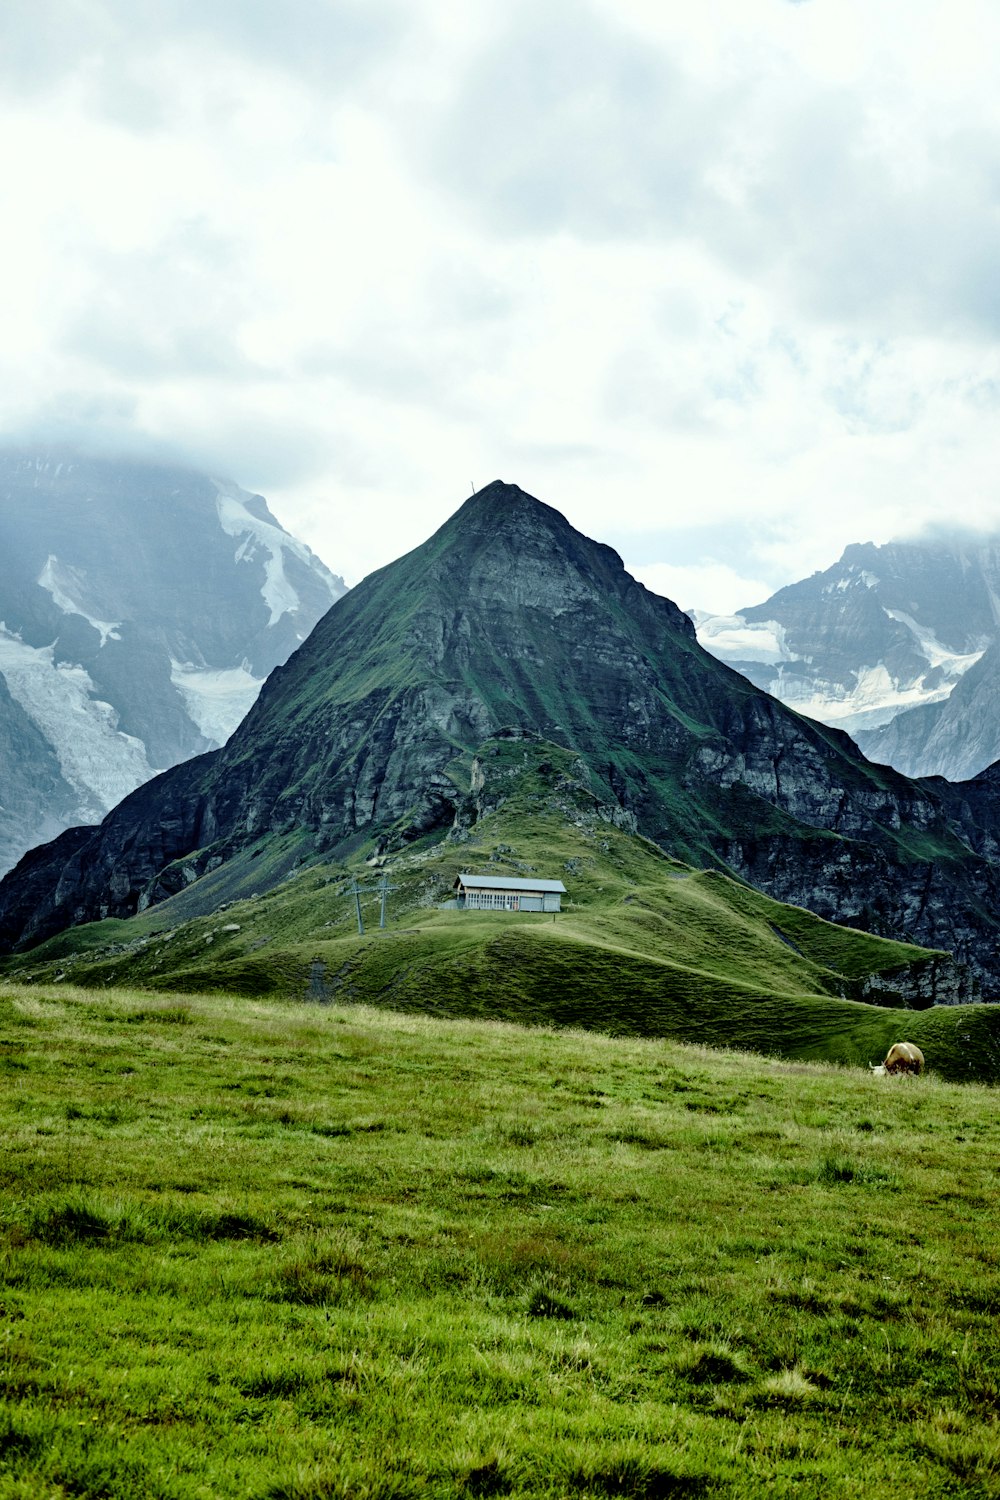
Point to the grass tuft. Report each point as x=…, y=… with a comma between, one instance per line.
x=488, y=1477
x=159, y=1015
x=712, y=1364
x=637, y=1475
x=81, y=1220
x=321, y=1273
x=542, y=1304
x=835, y=1170
x=789, y=1389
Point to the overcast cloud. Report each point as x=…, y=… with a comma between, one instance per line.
x=718, y=281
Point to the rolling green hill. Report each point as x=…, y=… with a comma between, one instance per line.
x=645, y=945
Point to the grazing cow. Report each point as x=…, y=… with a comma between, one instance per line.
x=902, y=1057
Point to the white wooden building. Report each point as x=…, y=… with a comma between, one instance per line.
x=503, y=893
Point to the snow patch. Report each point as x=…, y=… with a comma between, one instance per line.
x=238, y=520
x=732, y=638
x=955, y=663
x=862, y=576
x=64, y=583
x=217, y=700
x=99, y=762
x=875, y=700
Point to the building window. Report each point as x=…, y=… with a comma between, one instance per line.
x=493, y=900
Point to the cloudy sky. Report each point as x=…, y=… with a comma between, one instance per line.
x=720, y=281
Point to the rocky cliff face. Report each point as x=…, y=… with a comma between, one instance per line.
x=508, y=617
x=141, y=607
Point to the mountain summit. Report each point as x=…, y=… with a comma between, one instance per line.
x=509, y=618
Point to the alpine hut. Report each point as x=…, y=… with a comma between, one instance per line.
x=503, y=893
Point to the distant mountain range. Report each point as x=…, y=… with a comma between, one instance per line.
x=141, y=607
x=508, y=620
x=898, y=645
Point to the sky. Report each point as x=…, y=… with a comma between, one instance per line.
x=721, y=282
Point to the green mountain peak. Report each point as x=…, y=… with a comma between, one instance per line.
x=509, y=618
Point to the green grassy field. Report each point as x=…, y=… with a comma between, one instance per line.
x=645, y=946
x=297, y=1252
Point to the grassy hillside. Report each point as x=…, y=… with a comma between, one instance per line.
x=644, y=946
x=284, y=1252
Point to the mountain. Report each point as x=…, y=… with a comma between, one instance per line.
x=141, y=607
x=956, y=737
x=366, y=740
x=881, y=638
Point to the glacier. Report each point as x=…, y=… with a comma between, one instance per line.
x=216, y=699
x=732, y=638
x=876, y=698
x=99, y=762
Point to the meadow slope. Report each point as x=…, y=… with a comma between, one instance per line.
x=645, y=945
x=312, y=1252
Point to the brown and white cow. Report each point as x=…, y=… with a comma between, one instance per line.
x=902, y=1057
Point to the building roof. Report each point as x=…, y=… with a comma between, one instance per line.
x=506, y=883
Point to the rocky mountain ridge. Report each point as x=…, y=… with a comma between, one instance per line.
x=508, y=617
x=141, y=607
x=877, y=644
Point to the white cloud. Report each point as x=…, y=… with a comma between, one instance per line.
x=710, y=586
x=718, y=281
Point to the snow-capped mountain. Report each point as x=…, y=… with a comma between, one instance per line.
x=956, y=738
x=877, y=645
x=141, y=607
